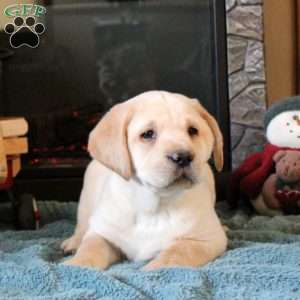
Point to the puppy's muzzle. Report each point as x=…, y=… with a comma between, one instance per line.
x=181, y=159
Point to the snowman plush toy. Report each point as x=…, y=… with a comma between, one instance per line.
x=282, y=130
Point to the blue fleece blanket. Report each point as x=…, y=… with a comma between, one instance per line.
x=262, y=262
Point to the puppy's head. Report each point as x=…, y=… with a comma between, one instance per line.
x=161, y=139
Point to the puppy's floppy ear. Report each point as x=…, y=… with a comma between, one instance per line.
x=108, y=140
x=218, y=143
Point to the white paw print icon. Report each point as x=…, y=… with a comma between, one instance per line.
x=24, y=32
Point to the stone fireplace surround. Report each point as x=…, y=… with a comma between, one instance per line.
x=246, y=70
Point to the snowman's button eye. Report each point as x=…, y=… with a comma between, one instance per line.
x=296, y=117
x=291, y=131
x=288, y=124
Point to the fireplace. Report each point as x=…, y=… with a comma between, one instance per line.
x=94, y=54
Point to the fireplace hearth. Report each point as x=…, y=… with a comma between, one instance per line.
x=95, y=54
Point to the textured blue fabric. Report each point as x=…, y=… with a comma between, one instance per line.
x=263, y=262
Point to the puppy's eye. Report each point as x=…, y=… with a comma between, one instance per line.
x=148, y=135
x=192, y=131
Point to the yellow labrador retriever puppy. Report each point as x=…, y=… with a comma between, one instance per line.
x=149, y=193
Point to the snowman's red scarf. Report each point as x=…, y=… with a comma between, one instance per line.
x=249, y=178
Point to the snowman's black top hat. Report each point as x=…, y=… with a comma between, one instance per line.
x=285, y=104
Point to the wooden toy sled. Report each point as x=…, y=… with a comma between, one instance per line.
x=13, y=143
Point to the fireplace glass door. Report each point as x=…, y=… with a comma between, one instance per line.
x=94, y=54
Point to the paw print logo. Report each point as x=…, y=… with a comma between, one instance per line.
x=24, y=32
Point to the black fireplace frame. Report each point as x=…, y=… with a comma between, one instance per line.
x=218, y=11
x=65, y=185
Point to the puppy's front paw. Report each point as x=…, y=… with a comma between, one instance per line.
x=85, y=262
x=71, y=244
x=156, y=264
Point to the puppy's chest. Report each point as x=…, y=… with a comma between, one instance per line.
x=141, y=236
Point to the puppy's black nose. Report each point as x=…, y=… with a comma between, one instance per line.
x=181, y=159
